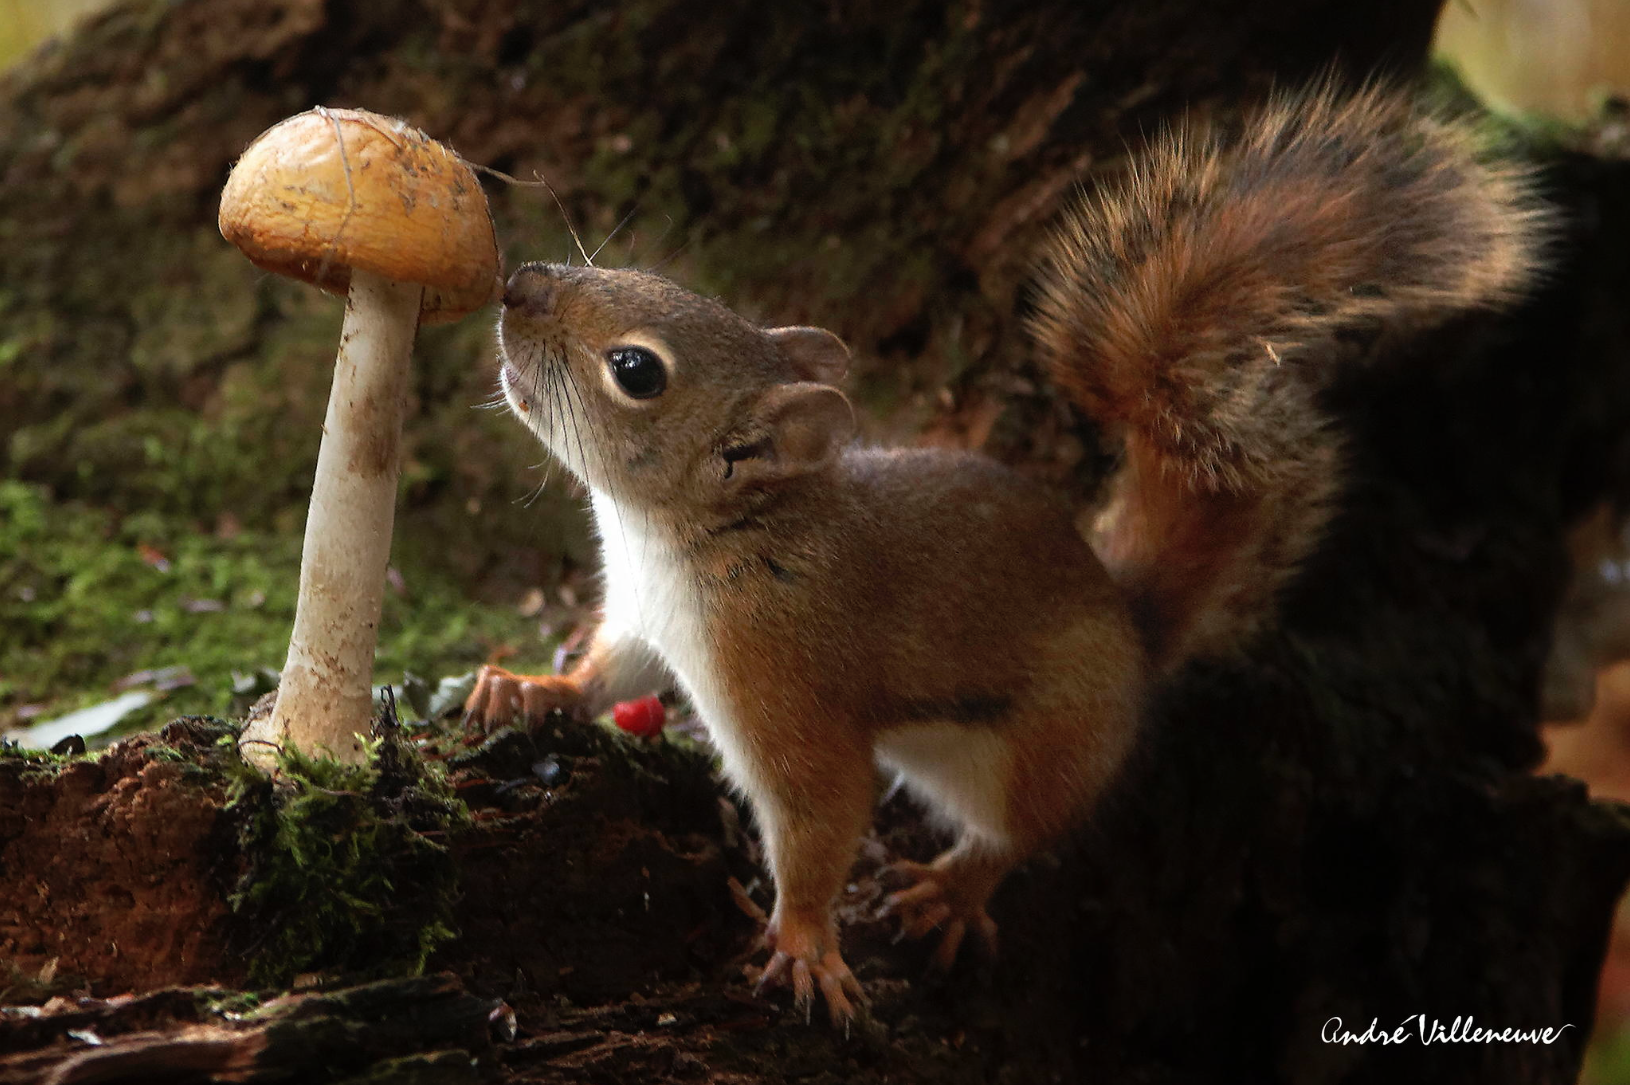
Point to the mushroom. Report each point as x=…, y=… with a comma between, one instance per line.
x=365, y=206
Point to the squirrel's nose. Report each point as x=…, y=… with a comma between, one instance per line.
x=533, y=288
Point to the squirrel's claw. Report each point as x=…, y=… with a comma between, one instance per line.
x=799, y=958
x=501, y=697
x=930, y=905
x=836, y=982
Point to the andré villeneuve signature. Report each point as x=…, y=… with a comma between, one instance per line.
x=1417, y=1028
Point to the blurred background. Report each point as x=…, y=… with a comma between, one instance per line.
x=150, y=531
x=26, y=23
x=1563, y=67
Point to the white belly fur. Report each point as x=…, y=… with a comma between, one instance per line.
x=959, y=771
x=651, y=596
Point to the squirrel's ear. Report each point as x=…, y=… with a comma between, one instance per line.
x=797, y=428
x=815, y=353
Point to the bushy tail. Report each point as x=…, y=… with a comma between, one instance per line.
x=1195, y=304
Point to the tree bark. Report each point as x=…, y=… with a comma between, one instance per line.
x=1343, y=825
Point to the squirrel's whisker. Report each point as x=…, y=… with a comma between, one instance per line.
x=612, y=234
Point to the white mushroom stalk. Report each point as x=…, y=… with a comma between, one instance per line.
x=366, y=206
x=325, y=697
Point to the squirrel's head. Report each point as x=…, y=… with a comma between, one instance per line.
x=663, y=399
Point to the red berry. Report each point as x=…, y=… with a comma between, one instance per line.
x=643, y=717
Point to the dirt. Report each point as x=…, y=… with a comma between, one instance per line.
x=594, y=905
x=599, y=940
x=595, y=865
x=115, y=869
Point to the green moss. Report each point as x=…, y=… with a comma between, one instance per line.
x=346, y=866
x=1536, y=136
x=227, y=1003
x=347, y=871
x=87, y=597
x=39, y=766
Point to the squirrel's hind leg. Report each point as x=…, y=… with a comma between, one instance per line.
x=950, y=895
x=961, y=772
x=1013, y=787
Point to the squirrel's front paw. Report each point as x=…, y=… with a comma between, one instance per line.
x=501, y=698
x=937, y=901
x=806, y=955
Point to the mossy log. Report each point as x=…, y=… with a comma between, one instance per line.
x=1345, y=824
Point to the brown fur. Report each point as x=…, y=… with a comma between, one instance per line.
x=827, y=605
x=1196, y=303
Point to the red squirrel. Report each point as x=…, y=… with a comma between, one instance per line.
x=828, y=606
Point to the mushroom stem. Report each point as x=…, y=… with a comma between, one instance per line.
x=325, y=698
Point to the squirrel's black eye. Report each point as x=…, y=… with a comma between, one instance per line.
x=638, y=371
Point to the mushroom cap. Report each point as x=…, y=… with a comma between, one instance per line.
x=330, y=190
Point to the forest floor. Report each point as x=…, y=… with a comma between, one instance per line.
x=536, y=879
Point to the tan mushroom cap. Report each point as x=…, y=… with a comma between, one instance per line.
x=334, y=189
